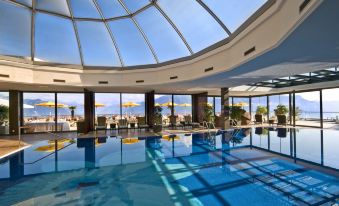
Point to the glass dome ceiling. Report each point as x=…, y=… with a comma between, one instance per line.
x=117, y=33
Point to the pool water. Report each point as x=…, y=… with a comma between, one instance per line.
x=261, y=166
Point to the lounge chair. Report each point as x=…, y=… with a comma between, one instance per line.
x=142, y=123
x=174, y=123
x=123, y=124
x=187, y=121
x=81, y=127
x=113, y=126
x=102, y=124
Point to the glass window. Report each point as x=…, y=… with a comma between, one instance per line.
x=275, y=100
x=168, y=45
x=307, y=106
x=84, y=9
x=133, y=106
x=39, y=112
x=134, y=5
x=165, y=101
x=56, y=6
x=217, y=106
x=96, y=44
x=70, y=111
x=242, y=102
x=195, y=23
x=108, y=105
x=15, y=30
x=330, y=106
x=182, y=106
x=4, y=121
x=210, y=101
x=25, y=2
x=111, y=8
x=132, y=46
x=258, y=106
x=55, y=40
x=233, y=13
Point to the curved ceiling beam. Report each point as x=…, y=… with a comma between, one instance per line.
x=174, y=27
x=76, y=33
x=140, y=30
x=110, y=33
x=214, y=16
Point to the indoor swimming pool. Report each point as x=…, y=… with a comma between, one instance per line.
x=256, y=166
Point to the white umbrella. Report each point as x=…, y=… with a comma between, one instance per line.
x=6, y=103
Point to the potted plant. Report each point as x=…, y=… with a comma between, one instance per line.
x=4, y=113
x=280, y=113
x=236, y=113
x=157, y=127
x=72, y=108
x=261, y=110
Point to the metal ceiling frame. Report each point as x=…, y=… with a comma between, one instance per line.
x=152, y=3
x=319, y=76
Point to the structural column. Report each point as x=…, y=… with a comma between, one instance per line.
x=14, y=112
x=150, y=107
x=199, y=101
x=225, y=103
x=89, y=110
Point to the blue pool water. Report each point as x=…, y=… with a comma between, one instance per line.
x=262, y=166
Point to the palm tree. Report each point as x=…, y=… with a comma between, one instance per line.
x=72, y=108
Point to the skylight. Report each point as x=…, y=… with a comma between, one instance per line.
x=117, y=33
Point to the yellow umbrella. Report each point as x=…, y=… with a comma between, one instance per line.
x=157, y=105
x=130, y=104
x=170, y=137
x=60, y=141
x=130, y=140
x=99, y=105
x=185, y=105
x=241, y=104
x=209, y=104
x=168, y=104
x=49, y=148
x=50, y=105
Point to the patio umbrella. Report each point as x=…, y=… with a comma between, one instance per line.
x=99, y=105
x=157, y=105
x=49, y=148
x=168, y=104
x=185, y=105
x=50, y=104
x=129, y=105
x=170, y=137
x=241, y=104
x=209, y=104
x=96, y=105
x=130, y=140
